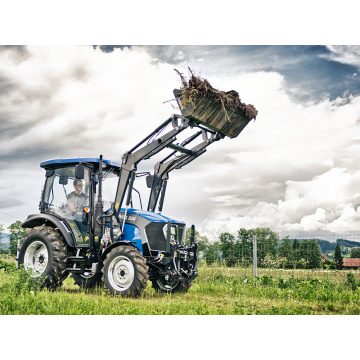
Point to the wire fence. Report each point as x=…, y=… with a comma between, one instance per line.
x=285, y=255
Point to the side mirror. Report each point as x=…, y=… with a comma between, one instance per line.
x=79, y=171
x=63, y=180
x=149, y=181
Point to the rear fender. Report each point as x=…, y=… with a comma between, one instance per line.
x=53, y=221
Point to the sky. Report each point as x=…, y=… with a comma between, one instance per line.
x=295, y=169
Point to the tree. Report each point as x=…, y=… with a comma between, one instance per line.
x=286, y=251
x=213, y=252
x=16, y=233
x=2, y=250
x=304, y=251
x=227, y=246
x=314, y=254
x=245, y=246
x=286, y=248
x=267, y=243
x=338, y=257
x=296, y=246
x=355, y=253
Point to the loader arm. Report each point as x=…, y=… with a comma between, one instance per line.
x=163, y=167
x=154, y=145
x=151, y=146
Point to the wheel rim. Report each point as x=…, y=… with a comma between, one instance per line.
x=36, y=258
x=121, y=273
x=167, y=287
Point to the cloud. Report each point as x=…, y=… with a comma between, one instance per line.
x=57, y=90
x=293, y=169
x=309, y=72
x=346, y=54
x=328, y=202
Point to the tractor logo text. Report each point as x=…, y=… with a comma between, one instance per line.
x=128, y=217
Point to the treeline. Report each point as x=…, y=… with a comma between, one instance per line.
x=272, y=252
x=16, y=233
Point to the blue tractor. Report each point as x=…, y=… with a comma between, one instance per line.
x=88, y=228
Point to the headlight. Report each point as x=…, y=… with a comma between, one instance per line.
x=173, y=232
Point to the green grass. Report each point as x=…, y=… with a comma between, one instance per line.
x=217, y=290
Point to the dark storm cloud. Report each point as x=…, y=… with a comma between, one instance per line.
x=17, y=53
x=6, y=84
x=309, y=71
x=111, y=48
x=25, y=104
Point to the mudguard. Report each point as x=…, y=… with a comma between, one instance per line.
x=51, y=220
x=136, y=244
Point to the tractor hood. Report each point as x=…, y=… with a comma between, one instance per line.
x=153, y=217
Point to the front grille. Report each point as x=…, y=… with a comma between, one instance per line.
x=155, y=235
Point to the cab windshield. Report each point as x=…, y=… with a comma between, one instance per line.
x=109, y=187
x=65, y=195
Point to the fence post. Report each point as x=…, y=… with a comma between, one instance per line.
x=254, y=256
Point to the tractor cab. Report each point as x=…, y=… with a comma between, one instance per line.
x=70, y=189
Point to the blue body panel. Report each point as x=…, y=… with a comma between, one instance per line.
x=132, y=234
x=52, y=163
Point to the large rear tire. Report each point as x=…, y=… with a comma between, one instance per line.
x=44, y=254
x=125, y=271
x=175, y=287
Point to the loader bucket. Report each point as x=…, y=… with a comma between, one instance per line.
x=212, y=115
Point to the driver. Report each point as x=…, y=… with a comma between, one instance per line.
x=77, y=199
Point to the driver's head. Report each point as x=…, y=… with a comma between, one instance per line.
x=78, y=185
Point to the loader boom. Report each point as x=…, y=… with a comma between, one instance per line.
x=153, y=145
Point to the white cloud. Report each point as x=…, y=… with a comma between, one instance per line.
x=347, y=54
x=328, y=202
x=294, y=169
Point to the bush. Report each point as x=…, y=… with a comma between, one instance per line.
x=270, y=262
x=301, y=264
x=18, y=281
x=350, y=281
x=329, y=264
x=7, y=266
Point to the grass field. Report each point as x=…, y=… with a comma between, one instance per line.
x=218, y=290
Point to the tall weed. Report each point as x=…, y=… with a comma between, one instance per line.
x=18, y=281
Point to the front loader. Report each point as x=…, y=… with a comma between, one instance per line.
x=89, y=229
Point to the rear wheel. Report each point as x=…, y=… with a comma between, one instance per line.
x=44, y=254
x=173, y=287
x=87, y=280
x=125, y=271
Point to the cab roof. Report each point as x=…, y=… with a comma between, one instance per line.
x=51, y=164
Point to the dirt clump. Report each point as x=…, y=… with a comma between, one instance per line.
x=196, y=88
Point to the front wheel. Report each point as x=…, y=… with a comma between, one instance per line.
x=161, y=285
x=125, y=271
